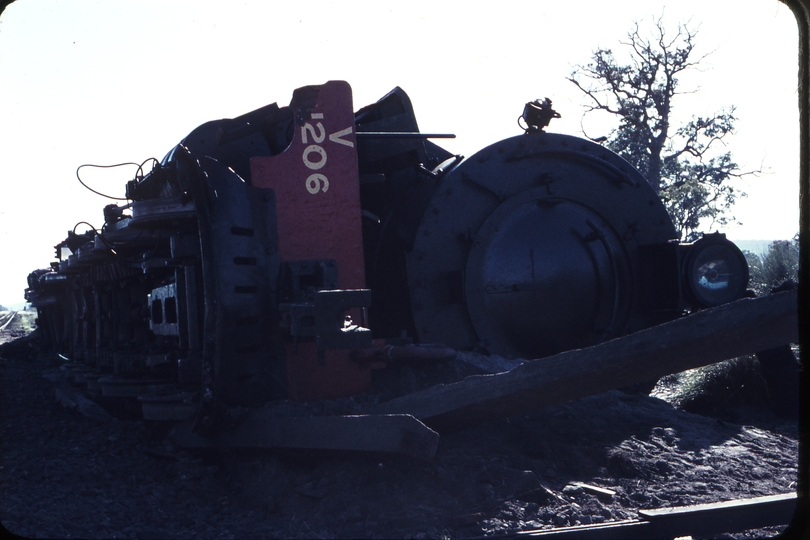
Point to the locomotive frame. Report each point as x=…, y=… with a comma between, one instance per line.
x=263, y=252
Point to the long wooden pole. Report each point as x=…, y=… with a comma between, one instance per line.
x=706, y=337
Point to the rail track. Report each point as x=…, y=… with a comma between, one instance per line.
x=6, y=318
x=694, y=520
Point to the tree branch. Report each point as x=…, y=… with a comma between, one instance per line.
x=682, y=164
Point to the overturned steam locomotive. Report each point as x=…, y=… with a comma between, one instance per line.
x=282, y=253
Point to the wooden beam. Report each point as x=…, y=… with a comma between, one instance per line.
x=400, y=434
x=706, y=337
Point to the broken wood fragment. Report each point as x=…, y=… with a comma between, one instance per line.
x=73, y=399
x=594, y=490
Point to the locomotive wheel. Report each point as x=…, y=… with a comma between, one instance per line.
x=531, y=247
x=239, y=250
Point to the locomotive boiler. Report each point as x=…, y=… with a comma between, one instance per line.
x=274, y=254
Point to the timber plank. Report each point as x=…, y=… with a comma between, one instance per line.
x=706, y=337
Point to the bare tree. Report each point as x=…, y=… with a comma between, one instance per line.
x=681, y=163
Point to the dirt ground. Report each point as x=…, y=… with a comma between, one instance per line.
x=66, y=475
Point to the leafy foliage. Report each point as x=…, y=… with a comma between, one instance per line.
x=779, y=264
x=713, y=389
x=680, y=162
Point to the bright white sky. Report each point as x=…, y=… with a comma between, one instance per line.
x=107, y=81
